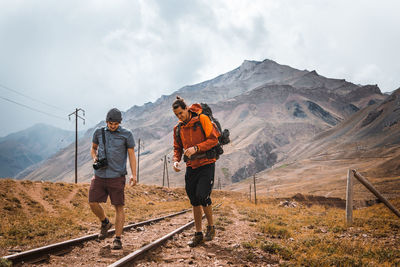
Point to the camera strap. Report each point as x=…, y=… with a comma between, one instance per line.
x=104, y=141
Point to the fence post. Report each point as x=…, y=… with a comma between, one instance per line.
x=138, y=162
x=349, y=198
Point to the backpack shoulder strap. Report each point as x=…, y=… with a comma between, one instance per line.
x=201, y=125
x=178, y=134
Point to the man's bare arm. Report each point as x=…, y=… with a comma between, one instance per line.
x=93, y=151
x=132, y=162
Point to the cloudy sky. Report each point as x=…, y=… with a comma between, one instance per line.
x=56, y=56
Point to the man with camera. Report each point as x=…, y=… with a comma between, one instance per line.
x=194, y=137
x=110, y=147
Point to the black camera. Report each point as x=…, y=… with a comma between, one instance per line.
x=100, y=163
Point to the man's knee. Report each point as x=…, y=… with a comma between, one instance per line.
x=119, y=208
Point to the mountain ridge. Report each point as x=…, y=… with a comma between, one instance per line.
x=28, y=147
x=255, y=101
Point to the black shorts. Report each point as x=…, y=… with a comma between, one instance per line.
x=199, y=183
x=101, y=188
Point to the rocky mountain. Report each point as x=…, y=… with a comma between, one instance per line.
x=268, y=108
x=375, y=126
x=28, y=147
x=367, y=141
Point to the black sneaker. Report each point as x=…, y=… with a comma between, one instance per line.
x=117, y=244
x=104, y=230
x=210, y=233
x=196, y=240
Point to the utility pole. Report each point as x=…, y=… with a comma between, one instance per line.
x=138, y=161
x=163, y=175
x=250, y=193
x=219, y=183
x=76, y=137
x=166, y=168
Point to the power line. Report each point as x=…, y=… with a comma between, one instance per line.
x=34, y=109
x=31, y=98
x=39, y=101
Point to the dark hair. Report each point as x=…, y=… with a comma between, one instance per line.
x=179, y=102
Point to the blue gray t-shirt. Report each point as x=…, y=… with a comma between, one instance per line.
x=117, y=144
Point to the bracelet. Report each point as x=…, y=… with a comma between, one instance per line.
x=196, y=148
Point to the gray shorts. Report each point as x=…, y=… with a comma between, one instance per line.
x=101, y=188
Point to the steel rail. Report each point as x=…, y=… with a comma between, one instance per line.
x=41, y=252
x=129, y=259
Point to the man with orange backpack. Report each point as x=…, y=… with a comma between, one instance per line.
x=196, y=137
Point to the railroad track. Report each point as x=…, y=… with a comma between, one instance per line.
x=90, y=250
x=129, y=259
x=42, y=253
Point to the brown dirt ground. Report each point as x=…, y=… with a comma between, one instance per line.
x=226, y=249
x=232, y=230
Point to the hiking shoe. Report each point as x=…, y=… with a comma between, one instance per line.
x=210, y=233
x=196, y=240
x=104, y=230
x=117, y=244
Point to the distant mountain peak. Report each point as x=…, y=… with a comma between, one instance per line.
x=314, y=72
x=246, y=61
x=248, y=65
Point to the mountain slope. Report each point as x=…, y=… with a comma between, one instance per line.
x=260, y=104
x=368, y=141
x=28, y=147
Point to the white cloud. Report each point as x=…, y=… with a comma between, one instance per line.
x=100, y=54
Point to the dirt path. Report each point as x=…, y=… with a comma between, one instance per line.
x=226, y=249
x=67, y=200
x=36, y=194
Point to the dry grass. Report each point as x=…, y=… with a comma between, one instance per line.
x=34, y=214
x=319, y=236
